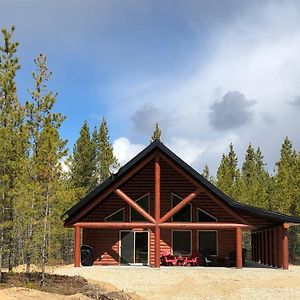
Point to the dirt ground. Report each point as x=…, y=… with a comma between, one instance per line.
x=178, y=283
x=197, y=282
x=16, y=285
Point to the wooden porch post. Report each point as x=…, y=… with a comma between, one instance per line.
x=285, y=247
x=259, y=247
x=256, y=247
x=252, y=246
x=270, y=246
x=279, y=245
x=266, y=247
x=239, y=260
x=275, y=255
x=262, y=247
x=77, y=247
x=157, y=213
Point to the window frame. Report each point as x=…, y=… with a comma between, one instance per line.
x=130, y=209
x=122, y=208
x=207, y=214
x=172, y=206
x=191, y=242
x=217, y=240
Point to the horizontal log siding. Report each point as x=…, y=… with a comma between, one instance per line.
x=106, y=242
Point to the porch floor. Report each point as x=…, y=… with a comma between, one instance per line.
x=253, y=282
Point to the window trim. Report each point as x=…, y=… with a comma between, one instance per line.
x=205, y=213
x=217, y=240
x=172, y=206
x=122, y=208
x=191, y=241
x=130, y=209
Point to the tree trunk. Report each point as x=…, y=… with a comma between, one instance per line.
x=44, y=242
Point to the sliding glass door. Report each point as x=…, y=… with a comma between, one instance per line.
x=134, y=247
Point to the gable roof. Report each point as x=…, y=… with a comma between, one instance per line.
x=157, y=145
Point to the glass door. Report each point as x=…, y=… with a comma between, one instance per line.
x=134, y=247
x=141, y=247
x=127, y=247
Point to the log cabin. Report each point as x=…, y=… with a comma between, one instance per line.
x=157, y=202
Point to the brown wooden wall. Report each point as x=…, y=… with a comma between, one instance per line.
x=106, y=242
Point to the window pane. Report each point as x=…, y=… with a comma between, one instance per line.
x=144, y=203
x=182, y=242
x=204, y=217
x=208, y=242
x=118, y=216
x=184, y=215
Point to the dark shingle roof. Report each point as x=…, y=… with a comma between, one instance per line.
x=266, y=214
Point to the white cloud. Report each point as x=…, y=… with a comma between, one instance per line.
x=124, y=150
x=256, y=53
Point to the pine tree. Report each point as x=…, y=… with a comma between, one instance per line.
x=83, y=166
x=228, y=175
x=105, y=155
x=254, y=179
x=48, y=149
x=286, y=185
x=206, y=174
x=156, y=136
x=13, y=137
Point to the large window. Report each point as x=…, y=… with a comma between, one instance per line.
x=203, y=216
x=208, y=242
x=184, y=215
x=117, y=216
x=143, y=202
x=182, y=242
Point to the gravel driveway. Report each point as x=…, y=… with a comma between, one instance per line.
x=196, y=282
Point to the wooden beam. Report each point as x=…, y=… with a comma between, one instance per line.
x=109, y=190
x=77, y=247
x=204, y=189
x=157, y=247
x=179, y=206
x=157, y=212
x=285, y=248
x=204, y=225
x=239, y=251
x=134, y=205
x=115, y=225
x=157, y=189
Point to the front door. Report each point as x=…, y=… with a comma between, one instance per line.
x=134, y=247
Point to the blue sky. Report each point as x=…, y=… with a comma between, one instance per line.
x=210, y=72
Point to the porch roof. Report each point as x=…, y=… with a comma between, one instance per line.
x=156, y=145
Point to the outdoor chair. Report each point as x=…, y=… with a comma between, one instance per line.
x=191, y=261
x=167, y=259
x=206, y=260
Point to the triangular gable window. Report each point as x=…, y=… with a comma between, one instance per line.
x=203, y=216
x=185, y=214
x=118, y=216
x=143, y=202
